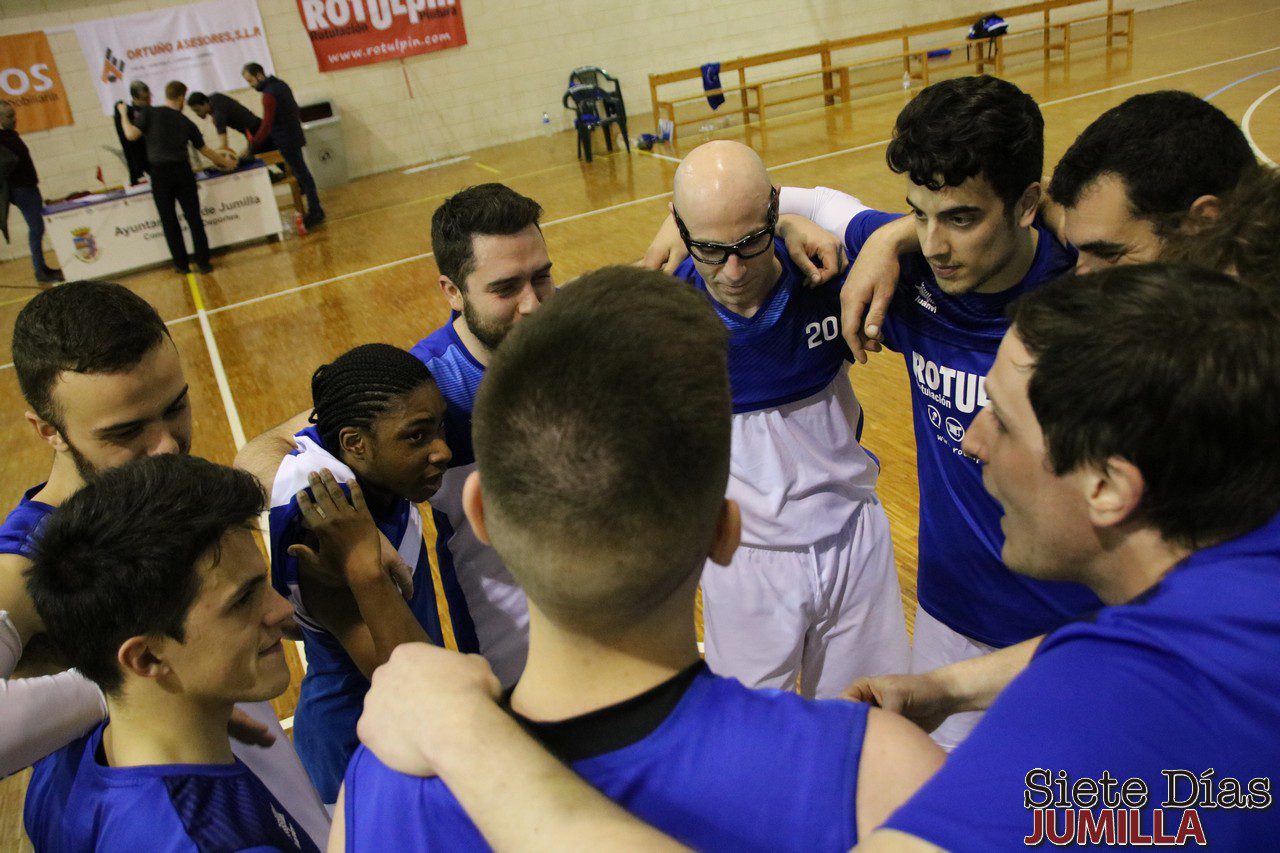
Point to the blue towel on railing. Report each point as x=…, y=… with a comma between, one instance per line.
x=711, y=80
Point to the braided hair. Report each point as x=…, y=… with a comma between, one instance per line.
x=360, y=385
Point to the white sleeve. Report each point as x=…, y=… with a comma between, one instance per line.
x=40, y=715
x=830, y=209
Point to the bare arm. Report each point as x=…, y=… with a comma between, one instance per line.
x=928, y=698
x=434, y=711
x=897, y=758
x=14, y=599
x=261, y=457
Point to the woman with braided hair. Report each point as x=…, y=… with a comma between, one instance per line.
x=377, y=442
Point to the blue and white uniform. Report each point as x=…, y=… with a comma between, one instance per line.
x=969, y=601
x=332, y=692
x=499, y=612
x=46, y=713
x=813, y=588
x=709, y=762
x=76, y=802
x=1182, y=678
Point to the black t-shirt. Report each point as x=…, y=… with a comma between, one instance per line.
x=227, y=112
x=24, y=171
x=168, y=133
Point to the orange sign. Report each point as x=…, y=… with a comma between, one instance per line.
x=346, y=33
x=29, y=80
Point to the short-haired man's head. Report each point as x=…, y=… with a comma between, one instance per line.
x=1168, y=148
x=80, y=327
x=253, y=69
x=490, y=209
x=175, y=89
x=121, y=557
x=360, y=385
x=8, y=116
x=1243, y=237
x=197, y=99
x=1176, y=370
x=969, y=127
x=139, y=90
x=602, y=437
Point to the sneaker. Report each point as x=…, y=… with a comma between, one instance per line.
x=50, y=277
x=205, y=267
x=314, y=218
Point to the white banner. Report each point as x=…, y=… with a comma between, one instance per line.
x=204, y=45
x=98, y=239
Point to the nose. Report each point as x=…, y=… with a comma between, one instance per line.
x=164, y=441
x=975, y=438
x=440, y=453
x=529, y=300
x=933, y=242
x=278, y=609
x=734, y=268
x=1087, y=263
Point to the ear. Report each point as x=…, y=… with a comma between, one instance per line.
x=46, y=431
x=1114, y=492
x=137, y=656
x=452, y=293
x=1206, y=207
x=728, y=533
x=473, y=506
x=353, y=442
x=1028, y=205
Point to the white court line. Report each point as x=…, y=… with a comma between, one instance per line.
x=662, y=156
x=1244, y=125
x=219, y=372
x=435, y=165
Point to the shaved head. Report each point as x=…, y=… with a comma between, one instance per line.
x=723, y=194
x=719, y=178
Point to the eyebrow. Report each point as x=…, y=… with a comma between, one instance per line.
x=516, y=279
x=950, y=211
x=128, y=425
x=419, y=424
x=1101, y=247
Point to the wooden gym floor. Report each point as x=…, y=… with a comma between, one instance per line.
x=276, y=310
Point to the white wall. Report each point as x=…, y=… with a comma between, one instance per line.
x=514, y=67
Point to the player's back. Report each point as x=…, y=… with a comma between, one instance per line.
x=75, y=801
x=704, y=759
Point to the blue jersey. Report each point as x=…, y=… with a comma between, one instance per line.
x=796, y=468
x=949, y=343
x=332, y=693
x=17, y=533
x=791, y=348
x=1179, y=683
x=496, y=605
x=720, y=767
x=76, y=802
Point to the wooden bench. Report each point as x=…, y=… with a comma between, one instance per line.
x=836, y=82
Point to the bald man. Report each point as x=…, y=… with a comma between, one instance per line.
x=812, y=594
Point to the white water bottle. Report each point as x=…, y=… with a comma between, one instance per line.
x=906, y=80
x=546, y=124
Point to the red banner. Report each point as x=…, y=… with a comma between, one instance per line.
x=29, y=80
x=347, y=33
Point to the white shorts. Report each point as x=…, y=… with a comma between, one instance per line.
x=936, y=645
x=279, y=768
x=827, y=614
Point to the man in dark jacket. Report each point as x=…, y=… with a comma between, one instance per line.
x=134, y=150
x=281, y=128
x=227, y=112
x=23, y=187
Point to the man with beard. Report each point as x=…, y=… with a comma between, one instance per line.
x=281, y=128
x=105, y=386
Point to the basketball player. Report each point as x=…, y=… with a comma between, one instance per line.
x=982, y=244
x=602, y=434
x=105, y=386
x=379, y=422
x=150, y=580
x=813, y=592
